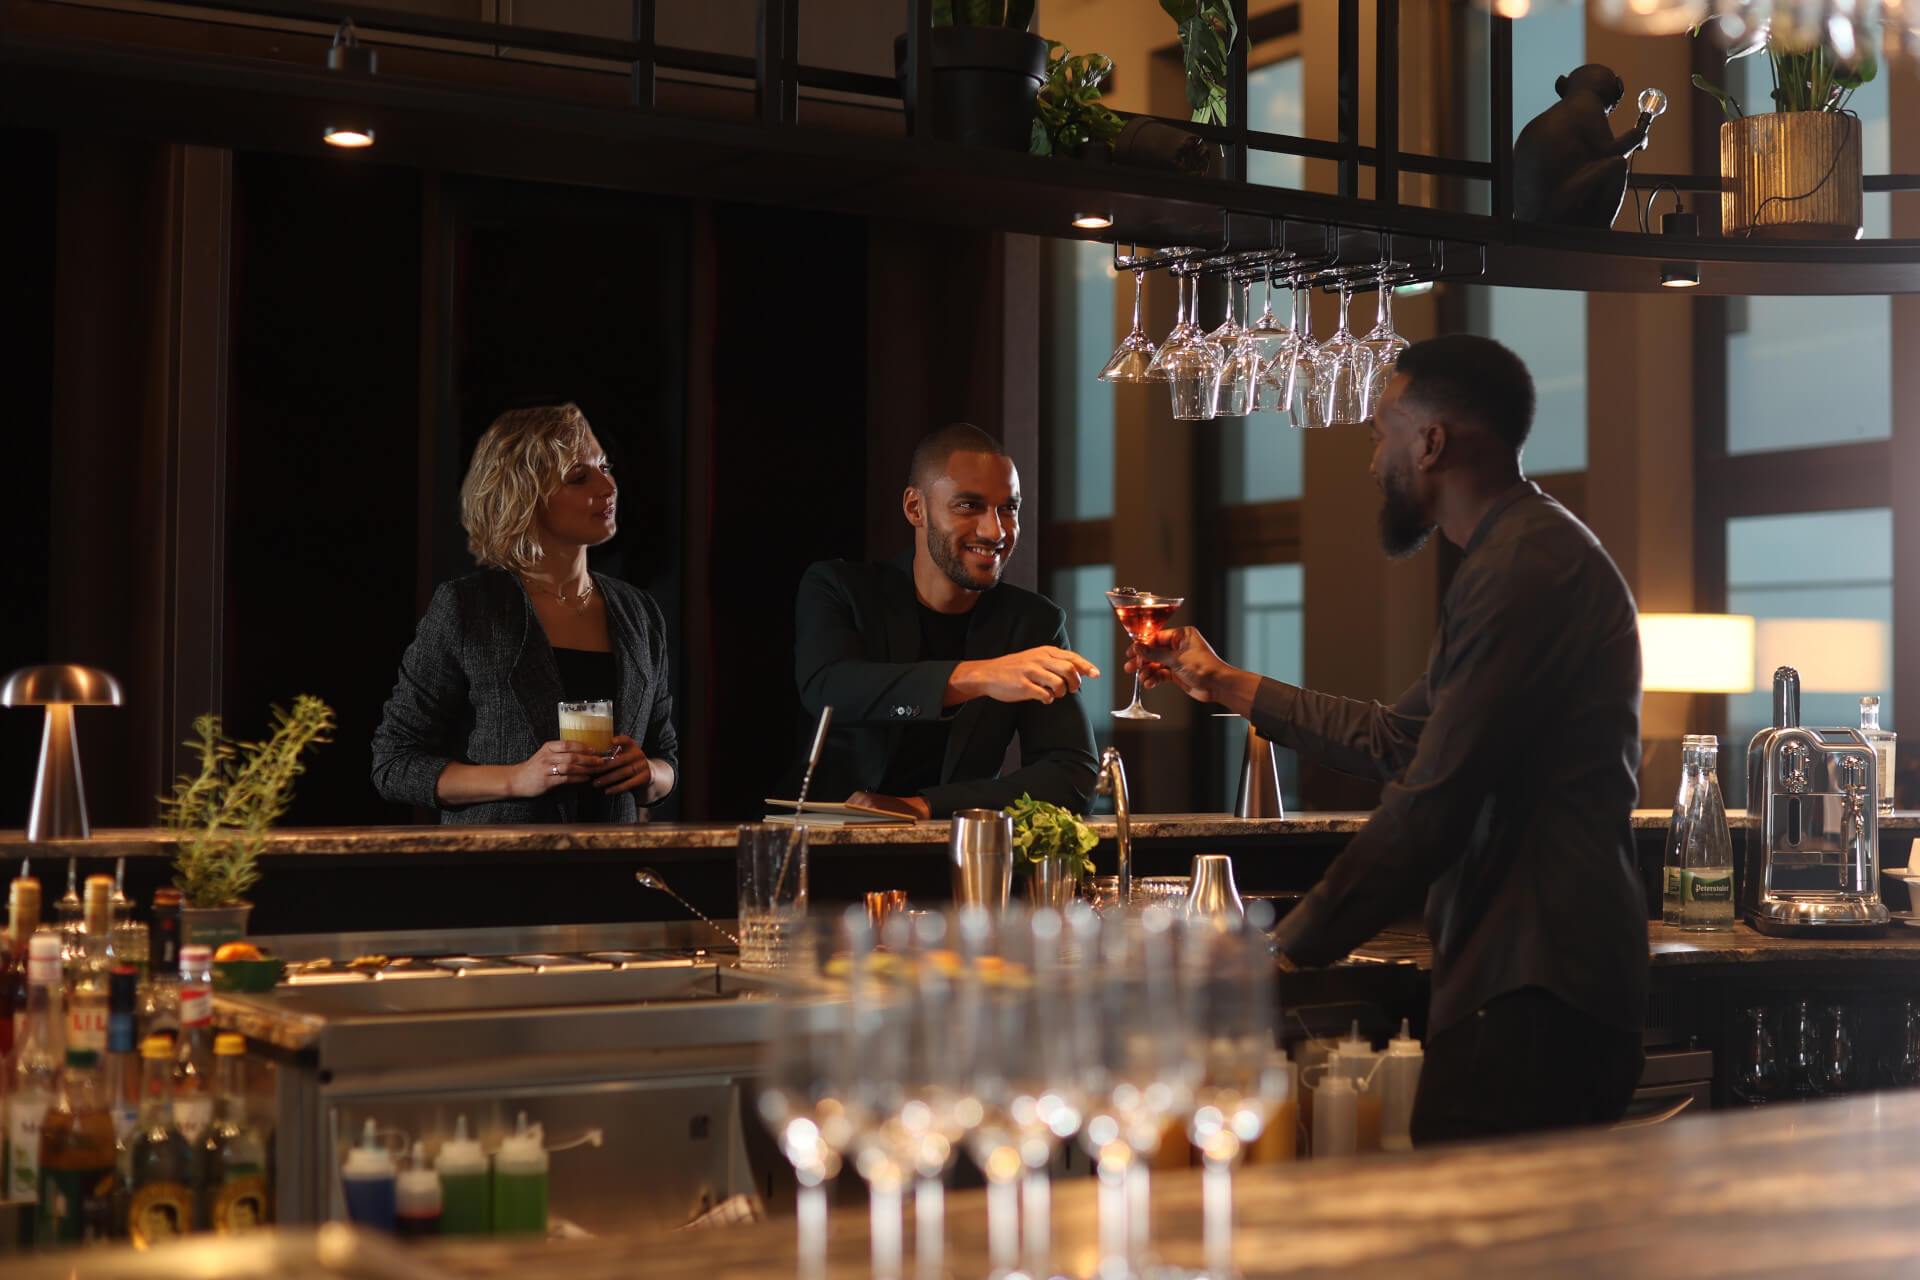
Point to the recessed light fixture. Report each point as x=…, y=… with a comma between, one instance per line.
x=1093, y=221
x=349, y=55
x=1685, y=226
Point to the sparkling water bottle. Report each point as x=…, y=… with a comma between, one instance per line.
x=1706, y=876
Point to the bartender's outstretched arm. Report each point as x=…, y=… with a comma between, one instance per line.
x=1182, y=655
x=1031, y=675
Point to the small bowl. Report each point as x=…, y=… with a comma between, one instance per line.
x=247, y=975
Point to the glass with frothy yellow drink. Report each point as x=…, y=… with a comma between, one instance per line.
x=589, y=723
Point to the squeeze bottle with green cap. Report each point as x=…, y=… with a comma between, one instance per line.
x=520, y=1182
x=466, y=1193
x=368, y=1179
x=1401, y=1080
x=417, y=1197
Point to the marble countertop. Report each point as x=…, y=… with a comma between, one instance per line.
x=695, y=836
x=1824, y=1188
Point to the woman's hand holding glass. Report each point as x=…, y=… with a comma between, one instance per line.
x=557, y=764
x=627, y=769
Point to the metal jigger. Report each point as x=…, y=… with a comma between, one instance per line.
x=1259, y=793
x=59, y=799
x=1212, y=895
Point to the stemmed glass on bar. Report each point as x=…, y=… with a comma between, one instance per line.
x=1140, y=613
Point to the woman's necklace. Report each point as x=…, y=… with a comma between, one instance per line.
x=576, y=603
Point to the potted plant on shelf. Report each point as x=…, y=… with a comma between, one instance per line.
x=987, y=71
x=1793, y=172
x=1068, y=118
x=1053, y=844
x=222, y=816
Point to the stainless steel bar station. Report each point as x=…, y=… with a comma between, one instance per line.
x=1105, y=639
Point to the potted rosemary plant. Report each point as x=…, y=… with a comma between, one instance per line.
x=1053, y=844
x=1793, y=172
x=222, y=815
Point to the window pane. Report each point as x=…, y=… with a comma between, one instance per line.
x=1835, y=629
x=1093, y=633
x=1785, y=356
x=1549, y=43
x=1260, y=459
x=1080, y=406
x=1276, y=103
x=1263, y=634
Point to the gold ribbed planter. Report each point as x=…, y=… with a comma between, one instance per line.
x=1791, y=175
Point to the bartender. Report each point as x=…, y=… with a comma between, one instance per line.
x=473, y=726
x=933, y=665
x=1509, y=768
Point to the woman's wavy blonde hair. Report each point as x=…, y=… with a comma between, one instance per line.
x=518, y=463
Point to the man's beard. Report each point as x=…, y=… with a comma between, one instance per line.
x=944, y=551
x=1404, y=528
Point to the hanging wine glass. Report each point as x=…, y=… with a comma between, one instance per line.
x=1275, y=341
x=1134, y=356
x=1192, y=362
x=1241, y=372
x=1343, y=369
x=1184, y=330
x=1383, y=342
x=1301, y=364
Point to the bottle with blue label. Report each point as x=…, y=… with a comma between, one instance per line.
x=369, y=1179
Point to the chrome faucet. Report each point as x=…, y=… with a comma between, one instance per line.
x=1112, y=781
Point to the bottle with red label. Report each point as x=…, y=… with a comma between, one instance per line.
x=90, y=971
x=193, y=1066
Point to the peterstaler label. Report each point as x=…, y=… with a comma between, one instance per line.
x=1709, y=886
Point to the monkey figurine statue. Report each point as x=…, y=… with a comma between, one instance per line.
x=1568, y=167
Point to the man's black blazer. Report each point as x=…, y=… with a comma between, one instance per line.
x=857, y=649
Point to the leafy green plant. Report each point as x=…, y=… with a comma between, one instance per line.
x=1207, y=33
x=1014, y=14
x=1043, y=831
x=222, y=815
x=1808, y=75
x=1068, y=114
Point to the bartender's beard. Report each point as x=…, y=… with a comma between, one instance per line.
x=1404, y=527
x=944, y=551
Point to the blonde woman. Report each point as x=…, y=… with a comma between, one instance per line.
x=473, y=726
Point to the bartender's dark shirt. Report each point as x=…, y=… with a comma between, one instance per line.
x=1510, y=772
x=922, y=752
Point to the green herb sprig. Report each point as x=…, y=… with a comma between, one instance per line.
x=222, y=815
x=1042, y=830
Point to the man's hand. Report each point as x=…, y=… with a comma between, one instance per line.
x=906, y=806
x=1032, y=675
x=1182, y=655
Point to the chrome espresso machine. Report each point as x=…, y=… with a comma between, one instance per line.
x=1811, y=865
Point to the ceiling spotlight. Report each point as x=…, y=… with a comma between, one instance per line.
x=1683, y=226
x=1093, y=221
x=349, y=55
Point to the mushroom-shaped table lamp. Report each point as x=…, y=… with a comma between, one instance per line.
x=59, y=800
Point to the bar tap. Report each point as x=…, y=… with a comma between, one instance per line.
x=1112, y=781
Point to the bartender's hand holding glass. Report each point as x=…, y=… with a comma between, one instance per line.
x=1182, y=655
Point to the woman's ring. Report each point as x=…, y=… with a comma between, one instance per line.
x=555, y=771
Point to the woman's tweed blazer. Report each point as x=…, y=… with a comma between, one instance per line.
x=478, y=685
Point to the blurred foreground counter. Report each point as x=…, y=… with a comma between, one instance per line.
x=330, y=879
x=1825, y=1189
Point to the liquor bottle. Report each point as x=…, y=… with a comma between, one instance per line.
x=1882, y=742
x=36, y=1067
x=1706, y=884
x=193, y=1057
x=160, y=1001
x=160, y=1207
x=123, y=1053
x=68, y=911
x=89, y=971
x=233, y=1189
x=78, y=1179
x=23, y=917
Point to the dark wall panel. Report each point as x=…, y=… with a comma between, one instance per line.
x=322, y=485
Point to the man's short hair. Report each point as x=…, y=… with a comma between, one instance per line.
x=1468, y=379
x=931, y=454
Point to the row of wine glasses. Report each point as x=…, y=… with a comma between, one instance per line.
x=1248, y=365
x=1006, y=1035
x=1807, y=1049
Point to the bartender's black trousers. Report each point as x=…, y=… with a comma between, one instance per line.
x=1524, y=1061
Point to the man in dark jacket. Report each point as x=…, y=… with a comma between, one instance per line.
x=1509, y=768
x=932, y=665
